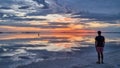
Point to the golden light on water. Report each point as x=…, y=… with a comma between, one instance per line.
x=17, y=36
x=52, y=41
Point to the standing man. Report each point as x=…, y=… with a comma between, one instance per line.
x=99, y=44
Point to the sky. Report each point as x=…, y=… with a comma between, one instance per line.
x=59, y=15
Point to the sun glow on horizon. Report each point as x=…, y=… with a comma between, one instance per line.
x=37, y=29
x=52, y=23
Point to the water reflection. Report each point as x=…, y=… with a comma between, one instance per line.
x=31, y=47
x=17, y=36
x=52, y=41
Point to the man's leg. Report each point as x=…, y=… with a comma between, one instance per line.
x=102, y=57
x=98, y=58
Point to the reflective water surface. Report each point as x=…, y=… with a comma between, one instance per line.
x=24, y=48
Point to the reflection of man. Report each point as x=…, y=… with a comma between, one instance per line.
x=99, y=44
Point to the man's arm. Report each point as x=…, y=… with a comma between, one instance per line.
x=96, y=42
x=103, y=41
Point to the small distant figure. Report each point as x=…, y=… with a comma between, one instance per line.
x=99, y=44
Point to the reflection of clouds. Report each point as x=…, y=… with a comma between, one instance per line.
x=73, y=40
x=3, y=44
x=59, y=47
x=53, y=41
x=113, y=40
x=13, y=53
x=2, y=20
x=83, y=39
x=16, y=36
x=52, y=47
x=32, y=44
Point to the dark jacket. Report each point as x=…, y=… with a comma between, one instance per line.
x=99, y=41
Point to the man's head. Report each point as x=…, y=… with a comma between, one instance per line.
x=99, y=32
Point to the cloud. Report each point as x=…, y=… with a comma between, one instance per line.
x=12, y=12
x=100, y=25
x=110, y=18
x=59, y=13
x=42, y=3
x=24, y=7
x=5, y=7
x=63, y=6
x=60, y=23
x=19, y=7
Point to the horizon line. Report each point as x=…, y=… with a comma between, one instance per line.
x=61, y=32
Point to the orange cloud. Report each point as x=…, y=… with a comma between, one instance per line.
x=64, y=19
x=37, y=29
x=18, y=29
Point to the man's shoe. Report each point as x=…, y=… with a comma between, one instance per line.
x=98, y=62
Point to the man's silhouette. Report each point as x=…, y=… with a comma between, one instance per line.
x=99, y=44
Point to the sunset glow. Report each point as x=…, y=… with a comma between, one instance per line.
x=59, y=33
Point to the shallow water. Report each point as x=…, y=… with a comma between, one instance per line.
x=24, y=48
